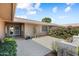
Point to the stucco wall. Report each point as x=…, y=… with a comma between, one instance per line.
x=39, y=28
x=2, y=29
x=28, y=30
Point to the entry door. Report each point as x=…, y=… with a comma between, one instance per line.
x=14, y=30
x=17, y=30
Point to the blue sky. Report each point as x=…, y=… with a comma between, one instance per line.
x=60, y=13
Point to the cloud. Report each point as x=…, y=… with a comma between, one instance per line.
x=31, y=9
x=37, y=6
x=62, y=17
x=21, y=16
x=31, y=12
x=24, y=6
x=67, y=9
x=52, y=19
x=55, y=9
x=70, y=4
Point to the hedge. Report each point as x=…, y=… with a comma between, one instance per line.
x=63, y=32
x=8, y=47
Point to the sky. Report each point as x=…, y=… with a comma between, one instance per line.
x=60, y=13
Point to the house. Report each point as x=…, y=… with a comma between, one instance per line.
x=15, y=26
x=73, y=25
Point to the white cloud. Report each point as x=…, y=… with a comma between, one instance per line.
x=55, y=9
x=52, y=19
x=37, y=6
x=21, y=16
x=70, y=4
x=30, y=8
x=31, y=12
x=24, y=5
x=67, y=9
x=62, y=17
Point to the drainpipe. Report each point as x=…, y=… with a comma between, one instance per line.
x=11, y=11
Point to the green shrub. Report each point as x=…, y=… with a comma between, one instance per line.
x=8, y=47
x=63, y=32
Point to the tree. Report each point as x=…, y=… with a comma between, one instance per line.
x=47, y=19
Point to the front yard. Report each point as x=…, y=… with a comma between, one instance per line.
x=39, y=46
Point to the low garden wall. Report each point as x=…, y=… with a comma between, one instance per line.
x=66, y=49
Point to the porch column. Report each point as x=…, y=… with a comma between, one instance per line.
x=2, y=34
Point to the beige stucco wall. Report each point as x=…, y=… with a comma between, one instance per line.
x=2, y=29
x=39, y=28
x=28, y=30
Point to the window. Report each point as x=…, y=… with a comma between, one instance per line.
x=44, y=28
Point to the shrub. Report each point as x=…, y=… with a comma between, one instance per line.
x=8, y=47
x=62, y=32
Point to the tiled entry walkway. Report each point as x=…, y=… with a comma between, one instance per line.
x=30, y=48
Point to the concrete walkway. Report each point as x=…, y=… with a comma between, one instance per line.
x=30, y=48
x=47, y=41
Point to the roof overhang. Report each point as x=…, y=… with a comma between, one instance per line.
x=7, y=11
x=22, y=20
x=73, y=25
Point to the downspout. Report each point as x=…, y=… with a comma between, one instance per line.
x=11, y=11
